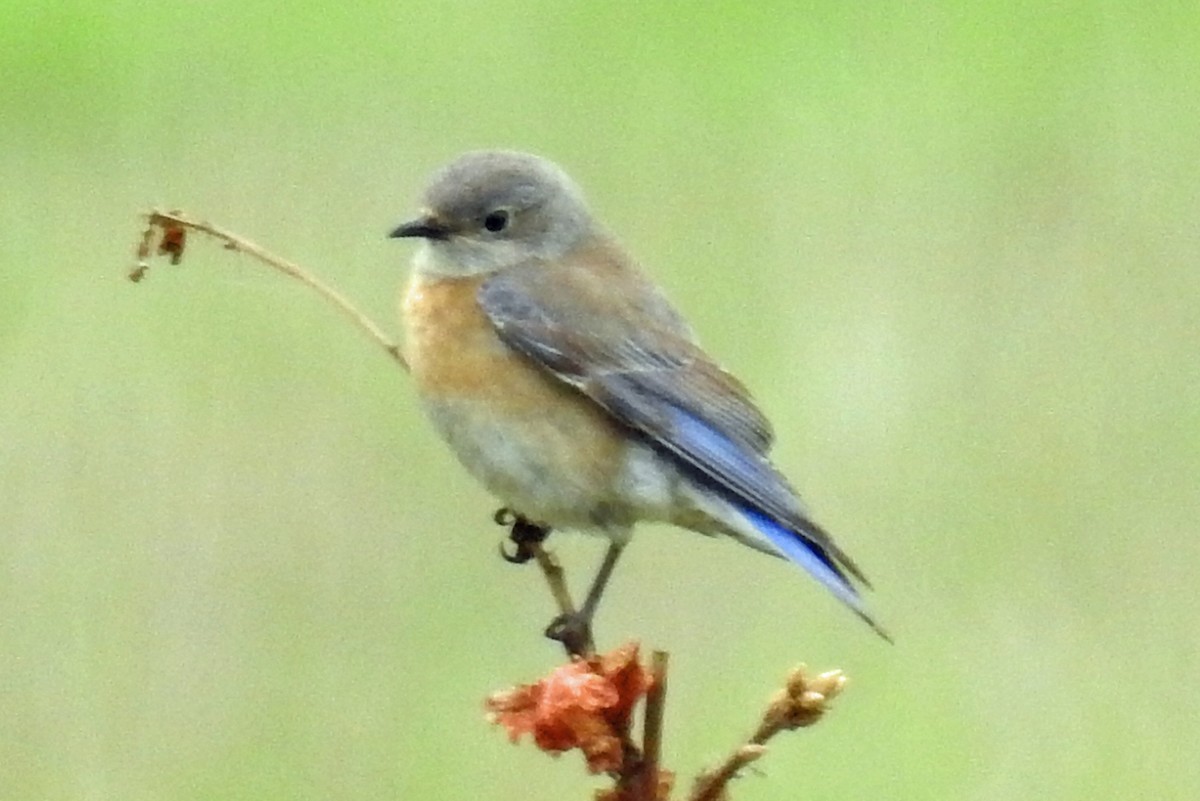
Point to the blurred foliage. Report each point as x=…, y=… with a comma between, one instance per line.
x=952, y=247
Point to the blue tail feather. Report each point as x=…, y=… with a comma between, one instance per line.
x=744, y=479
x=813, y=559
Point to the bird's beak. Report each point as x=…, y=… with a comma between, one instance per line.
x=426, y=227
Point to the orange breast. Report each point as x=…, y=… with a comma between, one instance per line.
x=450, y=344
x=534, y=440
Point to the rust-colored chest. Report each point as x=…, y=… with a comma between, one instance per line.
x=536, y=442
x=454, y=352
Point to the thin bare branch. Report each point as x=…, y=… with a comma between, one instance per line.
x=710, y=786
x=652, y=726
x=172, y=223
x=801, y=702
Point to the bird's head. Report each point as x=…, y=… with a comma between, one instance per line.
x=489, y=210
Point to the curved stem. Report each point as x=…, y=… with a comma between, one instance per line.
x=173, y=222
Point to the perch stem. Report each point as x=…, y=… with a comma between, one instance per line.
x=166, y=220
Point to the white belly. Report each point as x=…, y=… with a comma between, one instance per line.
x=541, y=466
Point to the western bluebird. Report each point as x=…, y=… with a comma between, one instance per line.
x=569, y=386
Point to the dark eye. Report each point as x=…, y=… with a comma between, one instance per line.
x=496, y=221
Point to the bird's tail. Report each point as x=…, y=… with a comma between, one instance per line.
x=802, y=550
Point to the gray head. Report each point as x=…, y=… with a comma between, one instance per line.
x=489, y=210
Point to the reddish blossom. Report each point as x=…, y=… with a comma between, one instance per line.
x=585, y=704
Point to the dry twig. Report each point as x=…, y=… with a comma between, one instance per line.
x=801, y=702
x=173, y=227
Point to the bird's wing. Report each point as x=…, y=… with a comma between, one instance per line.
x=603, y=328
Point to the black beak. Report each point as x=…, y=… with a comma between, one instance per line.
x=427, y=227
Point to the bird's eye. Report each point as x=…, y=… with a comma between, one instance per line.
x=496, y=221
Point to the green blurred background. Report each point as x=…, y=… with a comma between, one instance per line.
x=952, y=248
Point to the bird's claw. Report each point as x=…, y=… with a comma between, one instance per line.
x=523, y=534
x=574, y=632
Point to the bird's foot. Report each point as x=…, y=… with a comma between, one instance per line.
x=523, y=534
x=572, y=629
x=574, y=632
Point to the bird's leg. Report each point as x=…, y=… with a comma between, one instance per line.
x=601, y=581
x=568, y=628
x=572, y=628
x=574, y=631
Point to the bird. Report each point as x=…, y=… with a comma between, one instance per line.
x=568, y=385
